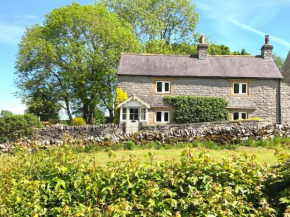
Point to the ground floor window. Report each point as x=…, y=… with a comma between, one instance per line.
x=240, y=115
x=134, y=114
x=162, y=117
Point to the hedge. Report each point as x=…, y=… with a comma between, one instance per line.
x=191, y=109
x=17, y=126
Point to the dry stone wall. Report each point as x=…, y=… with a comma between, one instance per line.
x=107, y=135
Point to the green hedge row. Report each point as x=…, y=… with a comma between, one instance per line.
x=17, y=126
x=60, y=183
x=191, y=109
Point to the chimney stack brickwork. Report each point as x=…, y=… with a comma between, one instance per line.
x=266, y=50
x=202, y=49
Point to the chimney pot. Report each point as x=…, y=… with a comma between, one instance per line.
x=266, y=39
x=202, y=49
x=201, y=40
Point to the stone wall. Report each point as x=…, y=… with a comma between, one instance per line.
x=261, y=102
x=107, y=135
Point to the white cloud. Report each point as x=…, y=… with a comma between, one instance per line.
x=10, y=34
x=274, y=38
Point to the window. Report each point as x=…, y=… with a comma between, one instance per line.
x=143, y=114
x=134, y=114
x=124, y=114
x=240, y=88
x=162, y=117
x=240, y=115
x=162, y=86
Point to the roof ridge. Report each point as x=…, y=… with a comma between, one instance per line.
x=185, y=55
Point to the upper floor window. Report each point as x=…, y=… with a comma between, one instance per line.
x=240, y=88
x=162, y=86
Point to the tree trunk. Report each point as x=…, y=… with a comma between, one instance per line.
x=68, y=110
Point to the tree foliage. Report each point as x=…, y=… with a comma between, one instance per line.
x=74, y=55
x=169, y=20
x=5, y=113
x=43, y=104
x=279, y=61
x=185, y=48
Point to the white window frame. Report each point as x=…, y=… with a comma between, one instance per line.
x=241, y=88
x=240, y=115
x=128, y=113
x=163, y=86
x=162, y=117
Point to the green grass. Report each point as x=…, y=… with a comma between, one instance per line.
x=264, y=155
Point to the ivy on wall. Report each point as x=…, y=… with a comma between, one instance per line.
x=192, y=109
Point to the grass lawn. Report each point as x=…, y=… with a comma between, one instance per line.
x=263, y=154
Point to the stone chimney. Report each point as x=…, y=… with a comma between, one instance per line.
x=266, y=50
x=202, y=49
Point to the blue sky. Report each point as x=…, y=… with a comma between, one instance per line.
x=235, y=23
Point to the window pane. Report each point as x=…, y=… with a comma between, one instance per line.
x=158, y=116
x=124, y=113
x=159, y=86
x=166, y=117
x=143, y=114
x=244, y=88
x=244, y=115
x=236, y=115
x=166, y=87
x=134, y=113
x=236, y=88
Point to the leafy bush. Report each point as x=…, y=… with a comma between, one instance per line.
x=130, y=145
x=277, y=186
x=13, y=127
x=121, y=96
x=78, y=121
x=191, y=109
x=58, y=183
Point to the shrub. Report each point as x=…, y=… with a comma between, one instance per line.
x=78, y=121
x=14, y=127
x=130, y=145
x=191, y=109
x=121, y=96
x=58, y=183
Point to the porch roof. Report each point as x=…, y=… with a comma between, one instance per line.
x=135, y=98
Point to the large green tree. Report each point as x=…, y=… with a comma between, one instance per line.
x=169, y=20
x=74, y=55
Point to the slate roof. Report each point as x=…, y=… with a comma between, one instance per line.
x=186, y=66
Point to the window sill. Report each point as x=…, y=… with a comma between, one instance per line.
x=241, y=95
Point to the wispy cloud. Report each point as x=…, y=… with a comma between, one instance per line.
x=10, y=34
x=26, y=17
x=227, y=17
x=274, y=38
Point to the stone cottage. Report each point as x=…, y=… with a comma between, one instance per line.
x=250, y=84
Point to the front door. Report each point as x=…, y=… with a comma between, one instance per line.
x=132, y=125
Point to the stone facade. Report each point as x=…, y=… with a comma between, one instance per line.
x=261, y=100
x=285, y=91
